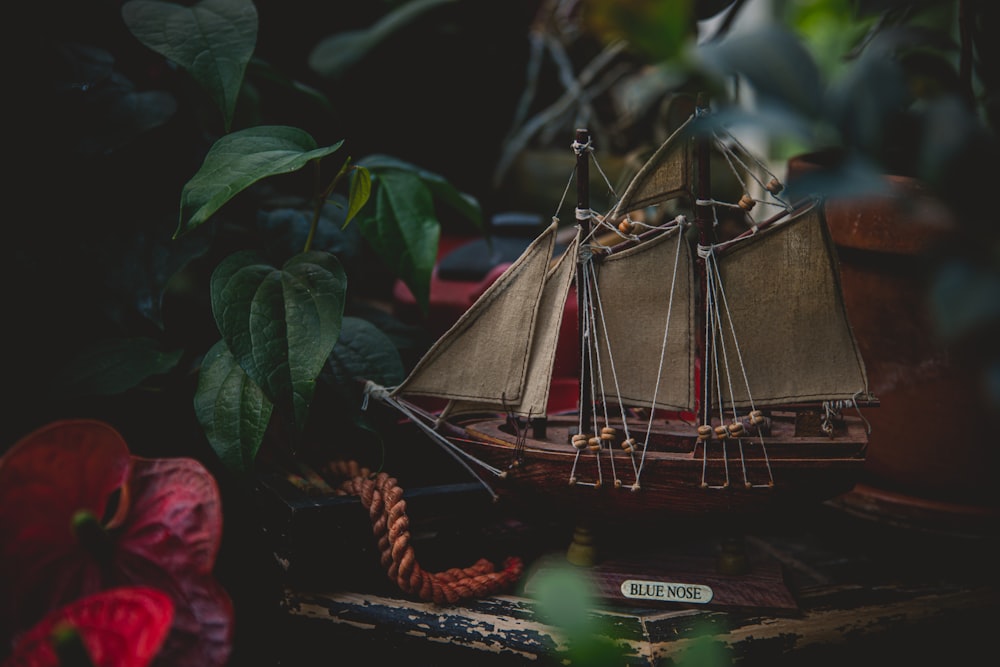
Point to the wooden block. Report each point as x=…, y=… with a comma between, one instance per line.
x=684, y=577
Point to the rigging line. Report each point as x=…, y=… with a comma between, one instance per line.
x=705, y=408
x=713, y=316
x=854, y=399
x=730, y=156
x=584, y=338
x=746, y=380
x=607, y=181
x=520, y=435
x=663, y=347
x=727, y=150
x=562, y=199
x=719, y=297
x=591, y=346
x=760, y=163
x=611, y=357
x=417, y=417
x=711, y=268
x=600, y=369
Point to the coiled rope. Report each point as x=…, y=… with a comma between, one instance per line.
x=383, y=498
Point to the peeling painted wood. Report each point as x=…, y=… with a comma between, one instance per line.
x=513, y=625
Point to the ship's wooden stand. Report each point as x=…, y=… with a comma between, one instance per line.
x=863, y=593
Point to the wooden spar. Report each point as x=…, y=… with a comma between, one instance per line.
x=583, y=219
x=706, y=235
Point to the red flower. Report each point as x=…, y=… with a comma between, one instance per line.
x=80, y=514
x=122, y=627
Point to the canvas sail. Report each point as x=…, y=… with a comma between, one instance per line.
x=484, y=356
x=538, y=378
x=640, y=289
x=666, y=175
x=782, y=294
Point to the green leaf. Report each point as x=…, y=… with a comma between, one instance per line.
x=337, y=53
x=465, y=205
x=231, y=409
x=364, y=352
x=404, y=231
x=237, y=161
x=361, y=190
x=280, y=324
x=774, y=62
x=213, y=40
x=114, y=366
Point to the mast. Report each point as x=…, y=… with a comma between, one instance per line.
x=703, y=220
x=582, y=147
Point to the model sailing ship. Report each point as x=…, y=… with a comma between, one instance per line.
x=716, y=377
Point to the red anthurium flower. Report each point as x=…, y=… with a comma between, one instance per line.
x=80, y=514
x=121, y=627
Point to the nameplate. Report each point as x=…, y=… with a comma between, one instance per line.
x=661, y=591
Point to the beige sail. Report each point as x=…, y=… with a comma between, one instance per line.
x=666, y=175
x=782, y=292
x=484, y=356
x=538, y=379
x=639, y=290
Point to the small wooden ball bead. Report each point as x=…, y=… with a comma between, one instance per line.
x=747, y=203
x=704, y=432
x=625, y=227
x=774, y=186
x=721, y=432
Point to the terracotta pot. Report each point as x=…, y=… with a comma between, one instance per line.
x=929, y=464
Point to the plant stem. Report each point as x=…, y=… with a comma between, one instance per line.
x=321, y=200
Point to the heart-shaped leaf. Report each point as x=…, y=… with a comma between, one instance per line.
x=231, y=408
x=213, y=40
x=464, y=204
x=121, y=627
x=363, y=352
x=404, y=231
x=281, y=324
x=237, y=161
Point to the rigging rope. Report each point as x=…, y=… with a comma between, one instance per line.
x=716, y=295
x=422, y=420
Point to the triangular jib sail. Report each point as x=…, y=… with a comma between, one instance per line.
x=485, y=356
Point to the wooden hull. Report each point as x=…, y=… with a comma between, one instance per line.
x=675, y=479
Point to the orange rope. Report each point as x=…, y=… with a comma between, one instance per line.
x=383, y=498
